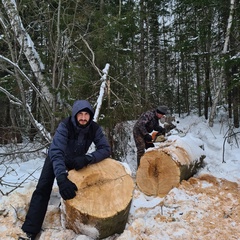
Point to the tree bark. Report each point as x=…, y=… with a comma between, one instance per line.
x=101, y=92
x=225, y=48
x=165, y=167
x=103, y=199
x=27, y=45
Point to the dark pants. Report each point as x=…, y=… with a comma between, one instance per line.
x=141, y=144
x=40, y=198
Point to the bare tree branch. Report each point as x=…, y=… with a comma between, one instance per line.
x=37, y=125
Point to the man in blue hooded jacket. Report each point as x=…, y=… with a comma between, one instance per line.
x=67, y=151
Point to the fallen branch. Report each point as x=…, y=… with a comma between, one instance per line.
x=223, y=161
x=14, y=186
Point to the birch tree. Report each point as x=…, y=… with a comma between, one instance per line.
x=27, y=46
x=224, y=51
x=101, y=91
x=14, y=29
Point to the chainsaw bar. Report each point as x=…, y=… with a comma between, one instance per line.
x=178, y=132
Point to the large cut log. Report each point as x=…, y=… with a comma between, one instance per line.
x=103, y=199
x=165, y=166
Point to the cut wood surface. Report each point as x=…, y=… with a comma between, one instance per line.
x=103, y=199
x=166, y=165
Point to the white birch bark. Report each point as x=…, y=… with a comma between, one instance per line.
x=27, y=45
x=225, y=49
x=101, y=92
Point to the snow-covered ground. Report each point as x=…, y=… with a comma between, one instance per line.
x=207, y=206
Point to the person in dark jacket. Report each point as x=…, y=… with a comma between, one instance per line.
x=67, y=151
x=147, y=122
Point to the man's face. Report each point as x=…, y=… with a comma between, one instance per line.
x=83, y=118
x=159, y=115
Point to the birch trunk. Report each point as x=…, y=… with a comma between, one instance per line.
x=225, y=48
x=101, y=92
x=27, y=46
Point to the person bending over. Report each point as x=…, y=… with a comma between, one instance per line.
x=147, y=122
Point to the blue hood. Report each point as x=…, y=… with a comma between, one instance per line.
x=80, y=105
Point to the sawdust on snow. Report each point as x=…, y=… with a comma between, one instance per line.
x=208, y=209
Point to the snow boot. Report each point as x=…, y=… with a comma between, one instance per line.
x=27, y=236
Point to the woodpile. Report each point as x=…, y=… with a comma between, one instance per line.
x=165, y=166
x=103, y=199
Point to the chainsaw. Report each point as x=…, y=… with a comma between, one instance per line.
x=158, y=137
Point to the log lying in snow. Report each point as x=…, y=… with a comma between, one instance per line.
x=103, y=199
x=166, y=165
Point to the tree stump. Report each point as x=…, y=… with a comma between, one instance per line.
x=165, y=166
x=103, y=199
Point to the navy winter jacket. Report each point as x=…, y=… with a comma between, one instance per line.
x=63, y=149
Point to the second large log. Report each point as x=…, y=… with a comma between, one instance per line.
x=165, y=166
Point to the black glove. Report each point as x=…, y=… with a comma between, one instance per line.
x=148, y=138
x=80, y=162
x=161, y=131
x=67, y=188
